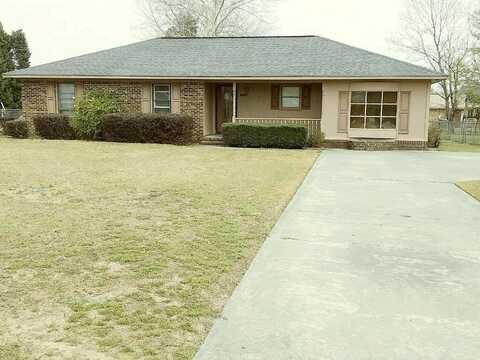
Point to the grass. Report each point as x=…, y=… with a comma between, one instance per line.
x=128, y=251
x=456, y=147
x=471, y=187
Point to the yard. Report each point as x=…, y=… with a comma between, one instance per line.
x=128, y=251
x=456, y=147
x=471, y=187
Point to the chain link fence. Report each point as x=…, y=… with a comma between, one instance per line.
x=466, y=131
x=7, y=115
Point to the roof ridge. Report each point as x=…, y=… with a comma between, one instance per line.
x=234, y=37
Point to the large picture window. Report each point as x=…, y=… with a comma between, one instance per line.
x=373, y=110
x=66, y=98
x=161, y=98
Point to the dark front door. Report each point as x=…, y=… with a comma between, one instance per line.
x=224, y=101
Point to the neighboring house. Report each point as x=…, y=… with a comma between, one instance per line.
x=345, y=92
x=438, y=111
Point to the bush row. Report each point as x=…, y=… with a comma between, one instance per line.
x=117, y=127
x=54, y=126
x=265, y=136
x=146, y=128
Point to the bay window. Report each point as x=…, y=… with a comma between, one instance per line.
x=373, y=110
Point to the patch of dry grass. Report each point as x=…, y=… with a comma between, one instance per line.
x=471, y=187
x=128, y=251
x=456, y=147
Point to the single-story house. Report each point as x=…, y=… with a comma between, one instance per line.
x=343, y=91
x=438, y=110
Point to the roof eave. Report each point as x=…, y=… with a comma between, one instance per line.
x=434, y=78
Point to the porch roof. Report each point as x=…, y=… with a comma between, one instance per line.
x=263, y=57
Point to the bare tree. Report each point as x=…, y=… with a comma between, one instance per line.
x=206, y=17
x=182, y=25
x=436, y=33
x=472, y=86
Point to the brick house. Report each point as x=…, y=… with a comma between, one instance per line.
x=348, y=94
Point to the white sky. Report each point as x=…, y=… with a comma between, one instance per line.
x=57, y=29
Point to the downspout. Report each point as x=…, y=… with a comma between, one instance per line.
x=234, y=115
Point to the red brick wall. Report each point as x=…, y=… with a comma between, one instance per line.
x=192, y=98
x=192, y=102
x=34, y=100
x=128, y=93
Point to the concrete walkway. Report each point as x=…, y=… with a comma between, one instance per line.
x=376, y=257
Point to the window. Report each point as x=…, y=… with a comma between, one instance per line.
x=66, y=98
x=161, y=98
x=373, y=110
x=290, y=97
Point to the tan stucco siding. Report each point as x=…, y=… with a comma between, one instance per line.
x=418, y=109
x=331, y=105
x=254, y=101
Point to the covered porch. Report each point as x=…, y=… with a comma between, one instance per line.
x=262, y=102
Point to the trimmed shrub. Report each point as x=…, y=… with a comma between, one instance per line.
x=16, y=128
x=434, y=134
x=89, y=110
x=316, y=140
x=54, y=126
x=146, y=128
x=265, y=136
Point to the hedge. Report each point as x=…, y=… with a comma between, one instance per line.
x=54, y=126
x=146, y=128
x=265, y=136
x=16, y=128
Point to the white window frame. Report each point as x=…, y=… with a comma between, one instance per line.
x=366, y=104
x=283, y=107
x=162, y=108
x=58, y=96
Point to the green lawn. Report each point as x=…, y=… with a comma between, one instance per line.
x=129, y=251
x=450, y=146
x=471, y=187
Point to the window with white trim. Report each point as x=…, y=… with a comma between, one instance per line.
x=161, y=98
x=373, y=110
x=66, y=98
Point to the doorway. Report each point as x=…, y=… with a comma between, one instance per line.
x=224, y=106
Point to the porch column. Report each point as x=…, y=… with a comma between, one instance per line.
x=234, y=116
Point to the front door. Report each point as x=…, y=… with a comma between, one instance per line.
x=224, y=101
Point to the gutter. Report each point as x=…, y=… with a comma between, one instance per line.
x=436, y=78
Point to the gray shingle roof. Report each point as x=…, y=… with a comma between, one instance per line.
x=283, y=56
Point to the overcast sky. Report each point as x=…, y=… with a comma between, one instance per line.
x=57, y=29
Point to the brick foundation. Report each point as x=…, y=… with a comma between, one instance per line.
x=336, y=144
x=411, y=145
x=375, y=144
x=386, y=145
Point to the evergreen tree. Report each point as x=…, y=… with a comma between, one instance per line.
x=21, y=52
x=14, y=54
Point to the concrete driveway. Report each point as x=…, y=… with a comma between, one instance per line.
x=376, y=257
